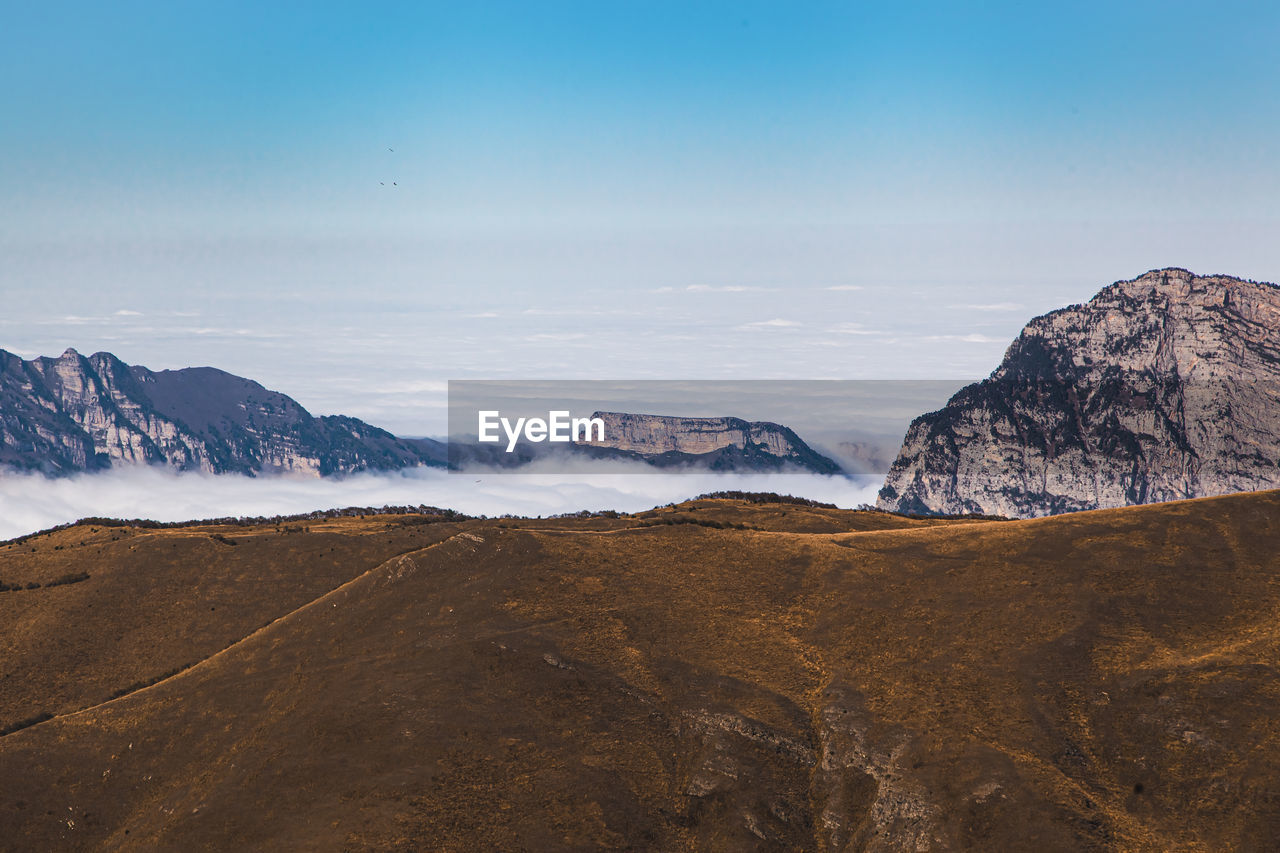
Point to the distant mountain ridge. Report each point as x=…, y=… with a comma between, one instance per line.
x=1159, y=388
x=87, y=413
x=721, y=443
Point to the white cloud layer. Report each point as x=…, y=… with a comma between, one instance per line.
x=776, y=323
x=30, y=502
x=992, y=306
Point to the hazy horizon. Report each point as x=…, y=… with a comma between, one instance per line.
x=353, y=206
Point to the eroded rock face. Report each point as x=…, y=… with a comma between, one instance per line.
x=1160, y=388
x=734, y=442
x=77, y=413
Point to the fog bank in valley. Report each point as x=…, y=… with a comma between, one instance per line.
x=34, y=502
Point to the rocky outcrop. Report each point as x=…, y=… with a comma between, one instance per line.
x=720, y=443
x=78, y=413
x=1160, y=388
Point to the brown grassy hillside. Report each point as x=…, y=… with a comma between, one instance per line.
x=713, y=676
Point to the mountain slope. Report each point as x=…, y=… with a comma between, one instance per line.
x=78, y=413
x=1159, y=388
x=1099, y=681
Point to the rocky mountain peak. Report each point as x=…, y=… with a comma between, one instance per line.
x=1178, y=293
x=1161, y=387
x=1167, y=322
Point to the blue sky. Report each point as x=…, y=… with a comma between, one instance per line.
x=613, y=190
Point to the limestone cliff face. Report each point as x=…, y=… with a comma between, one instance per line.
x=727, y=443
x=77, y=413
x=1159, y=388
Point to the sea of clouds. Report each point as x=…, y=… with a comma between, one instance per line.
x=30, y=502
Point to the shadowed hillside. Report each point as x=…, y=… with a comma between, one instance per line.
x=717, y=675
x=86, y=413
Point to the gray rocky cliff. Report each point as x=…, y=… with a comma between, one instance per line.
x=725, y=442
x=1160, y=388
x=78, y=413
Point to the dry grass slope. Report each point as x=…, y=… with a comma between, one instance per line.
x=714, y=676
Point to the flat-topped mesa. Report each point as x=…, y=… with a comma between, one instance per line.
x=1163, y=387
x=650, y=436
x=666, y=434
